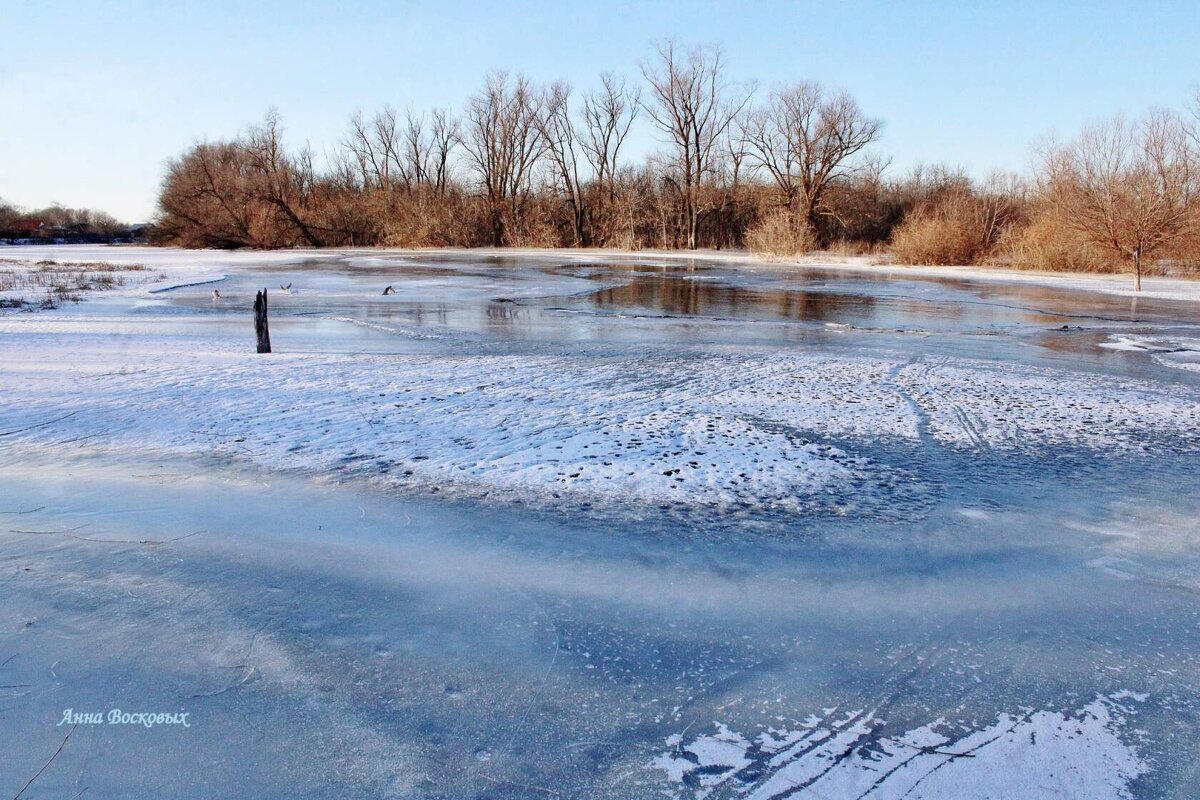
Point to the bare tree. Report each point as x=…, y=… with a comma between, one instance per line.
x=205, y=200
x=445, y=133
x=9, y=215
x=807, y=139
x=1130, y=188
x=561, y=141
x=392, y=153
x=608, y=114
x=280, y=182
x=693, y=104
x=1192, y=125
x=375, y=146
x=503, y=145
x=415, y=148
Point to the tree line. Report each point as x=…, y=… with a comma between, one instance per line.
x=783, y=172
x=57, y=223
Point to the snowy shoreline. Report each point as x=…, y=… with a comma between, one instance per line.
x=1154, y=287
x=187, y=261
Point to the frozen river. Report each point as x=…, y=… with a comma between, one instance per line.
x=599, y=527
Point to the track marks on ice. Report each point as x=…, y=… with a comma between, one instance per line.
x=979, y=405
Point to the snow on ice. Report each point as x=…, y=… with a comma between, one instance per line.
x=1026, y=755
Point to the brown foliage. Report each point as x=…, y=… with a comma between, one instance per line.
x=1132, y=189
x=781, y=233
x=957, y=226
x=1049, y=243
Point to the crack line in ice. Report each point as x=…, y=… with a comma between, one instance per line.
x=1033, y=755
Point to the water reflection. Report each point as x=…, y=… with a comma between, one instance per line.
x=668, y=294
x=504, y=312
x=408, y=313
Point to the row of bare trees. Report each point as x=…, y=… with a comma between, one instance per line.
x=526, y=164
x=795, y=169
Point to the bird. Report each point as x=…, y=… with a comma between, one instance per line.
x=389, y=290
x=216, y=295
x=286, y=289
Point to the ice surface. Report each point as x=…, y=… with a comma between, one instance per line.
x=608, y=527
x=728, y=430
x=1181, y=352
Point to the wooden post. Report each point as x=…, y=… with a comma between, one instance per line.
x=260, y=322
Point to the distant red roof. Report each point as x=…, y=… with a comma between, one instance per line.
x=28, y=225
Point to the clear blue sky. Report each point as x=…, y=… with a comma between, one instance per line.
x=95, y=96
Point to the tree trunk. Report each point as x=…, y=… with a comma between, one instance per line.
x=497, y=227
x=581, y=232
x=305, y=231
x=693, y=224
x=1137, y=270
x=260, y=322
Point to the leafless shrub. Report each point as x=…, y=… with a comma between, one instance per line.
x=961, y=225
x=780, y=233
x=1047, y=242
x=937, y=235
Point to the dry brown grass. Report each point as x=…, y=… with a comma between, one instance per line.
x=848, y=248
x=781, y=234
x=1046, y=243
x=934, y=240
x=956, y=228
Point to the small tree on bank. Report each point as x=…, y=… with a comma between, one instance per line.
x=1129, y=188
x=809, y=139
x=692, y=103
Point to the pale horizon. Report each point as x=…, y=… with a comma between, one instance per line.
x=98, y=99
